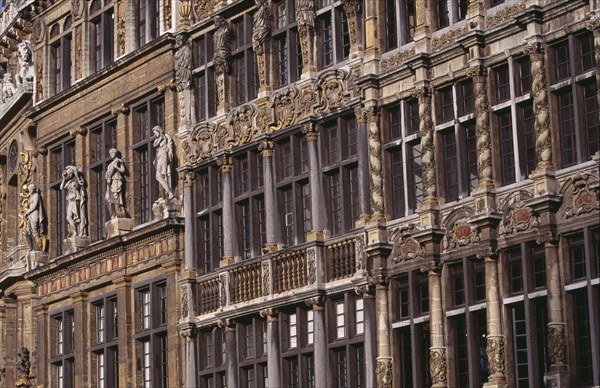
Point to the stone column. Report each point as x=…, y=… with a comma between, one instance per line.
x=81, y=338
x=495, y=339
x=593, y=24
x=370, y=344
x=363, y=165
x=316, y=197
x=9, y=341
x=541, y=111
x=305, y=19
x=226, y=164
x=41, y=349
x=274, y=351
x=320, y=344
x=558, y=372
x=189, y=334
x=427, y=147
x=266, y=147
x=188, y=178
x=384, y=370
x=223, y=38
x=375, y=165
x=482, y=125
x=231, y=368
x=437, y=363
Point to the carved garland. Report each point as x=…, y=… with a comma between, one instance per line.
x=121, y=15
x=448, y=38
x=482, y=112
x=504, y=14
x=396, y=60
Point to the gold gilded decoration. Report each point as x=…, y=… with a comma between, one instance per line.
x=266, y=148
x=395, y=61
x=307, y=100
x=438, y=366
x=26, y=177
x=203, y=8
x=384, y=372
x=168, y=13
x=352, y=11
x=184, y=9
x=305, y=18
x=504, y=14
x=448, y=38
x=495, y=355
x=226, y=163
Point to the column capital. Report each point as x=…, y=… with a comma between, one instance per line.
x=593, y=22
x=360, y=113
x=366, y=291
x=317, y=302
x=188, y=333
x=477, y=71
x=187, y=177
x=487, y=254
x=227, y=323
x=310, y=130
x=422, y=91
x=549, y=239
x=535, y=49
x=226, y=163
x=381, y=281
x=266, y=147
x=270, y=313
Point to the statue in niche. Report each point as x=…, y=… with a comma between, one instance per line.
x=163, y=162
x=8, y=88
x=183, y=63
x=261, y=25
x=222, y=39
x=34, y=231
x=115, y=185
x=25, y=57
x=74, y=184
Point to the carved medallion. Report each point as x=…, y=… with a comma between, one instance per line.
x=579, y=199
x=461, y=234
x=519, y=219
x=405, y=246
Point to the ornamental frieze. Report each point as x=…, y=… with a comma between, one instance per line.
x=448, y=38
x=405, y=246
x=396, y=60
x=578, y=197
x=519, y=218
x=504, y=14
x=203, y=9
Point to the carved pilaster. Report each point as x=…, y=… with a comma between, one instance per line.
x=427, y=148
x=305, y=18
x=121, y=21
x=261, y=35
x=495, y=354
x=593, y=24
x=541, y=111
x=353, y=10
x=222, y=40
x=557, y=344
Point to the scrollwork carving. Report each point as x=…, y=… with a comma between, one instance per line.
x=482, y=113
x=240, y=119
x=427, y=147
x=283, y=103
x=448, y=38
x=579, y=198
x=405, y=246
x=203, y=8
x=495, y=355
x=504, y=14
x=520, y=218
x=395, y=61
x=332, y=93
x=199, y=145
x=557, y=344
x=462, y=234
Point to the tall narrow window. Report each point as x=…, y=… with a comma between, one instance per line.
x=102, y=18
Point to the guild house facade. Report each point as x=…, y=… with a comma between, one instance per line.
x=299, y=193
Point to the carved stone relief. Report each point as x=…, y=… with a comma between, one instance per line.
x=519, y=218
x=311, y=265
x=438, y=366
x=168, y=14
x=121, y=17
x=361, y=254
x=203, y=9
x=241, y=121
x=384, y=373
x=482, y=113
x=448, y=38
x=185, y=301
x=405, y=247
x=332, y=93
x=461, y=234
x=283, y=102
x=199, y=145
x=427, y=147
x=495, y=355
x=578, y=197
x=395, y=61
x=557, y=345
x=266, y=277
x=504, y=14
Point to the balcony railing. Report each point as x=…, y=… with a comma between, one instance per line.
x=275, y=274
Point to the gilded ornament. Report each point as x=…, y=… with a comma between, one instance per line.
x=203, y=8
x=167, y=14
x=405, y=247
x=240, y=120
x=283, y=102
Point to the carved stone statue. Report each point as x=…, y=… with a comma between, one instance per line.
x=8, y=88
x=35, y=220
x=222, y=39
x=261, y=25
x=74, y=184
x=183, y=63
x=115, y=185
x=25, y=57
x=163, y=162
